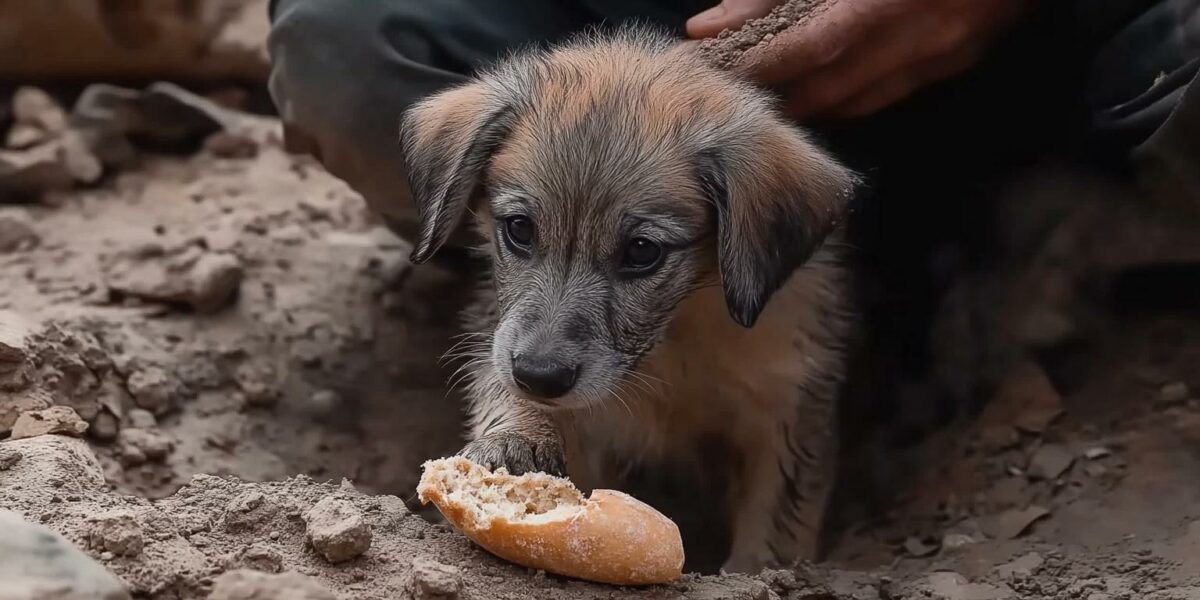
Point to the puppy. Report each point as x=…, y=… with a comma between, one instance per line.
x=640, y=209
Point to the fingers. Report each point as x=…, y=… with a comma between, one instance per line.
x=885, y=51
x=901, y=85
x=729, y=14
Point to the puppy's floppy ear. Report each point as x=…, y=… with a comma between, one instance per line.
x=777, y=195
x=448, y=140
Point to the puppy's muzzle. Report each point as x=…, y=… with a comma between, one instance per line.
x=542, y=376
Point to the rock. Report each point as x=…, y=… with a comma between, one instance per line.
x=54, y=420
x=53, y=458
x=431, y=580
x=1024, y=566
x=39, y=564
x=16, y=231
x=261, y=558
x=12, y=407
x=9, y=458
x=141, y=418
x=117, y=532
x=1097, y=453
x=1011, y=524
x=244, y=584
x=15, y=334
x=214, y=281
x=954, y=541
x=1173, y=393
x=22, y=136
x=204, y=281
x=248, y=511
x=918, y=548
x=223, y=144
x=163, y=115
x=257, y=383
x=136, y=446
x=1049, y=462
x=323, y=402
x=104, y=427
x=152, y=389
x=34, y=107
x=27, y=174
x=337, y=530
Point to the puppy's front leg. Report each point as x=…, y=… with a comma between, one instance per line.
x=508, y=432
x=781, y=499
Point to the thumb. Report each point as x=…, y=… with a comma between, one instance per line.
x=729, y=14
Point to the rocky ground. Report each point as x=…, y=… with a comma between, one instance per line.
x=219, y=375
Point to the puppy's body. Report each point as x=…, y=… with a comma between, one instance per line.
x=640, y=209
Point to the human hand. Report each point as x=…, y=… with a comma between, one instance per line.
x=852, y=58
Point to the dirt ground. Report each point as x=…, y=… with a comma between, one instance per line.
x=248, y=347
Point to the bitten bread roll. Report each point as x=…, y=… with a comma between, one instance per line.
x=544, y=522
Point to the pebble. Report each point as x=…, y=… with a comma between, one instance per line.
x=432, y=580
x=9, y=458
x=1173, y=393
x=337, y=530
x=54, y=420
x=136, y=446
x=16, y=230
x=152, y=389
x=117, y=532
x=1049, y=462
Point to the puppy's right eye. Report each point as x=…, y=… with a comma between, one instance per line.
x=518, y=231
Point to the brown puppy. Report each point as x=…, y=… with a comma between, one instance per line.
x=640, y=208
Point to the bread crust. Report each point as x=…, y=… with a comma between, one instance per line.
x=610, y=537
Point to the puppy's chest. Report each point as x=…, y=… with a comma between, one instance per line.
x=704, y=382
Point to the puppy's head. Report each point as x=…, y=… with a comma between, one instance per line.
x=611, y=177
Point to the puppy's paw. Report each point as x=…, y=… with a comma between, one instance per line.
x=517, y=453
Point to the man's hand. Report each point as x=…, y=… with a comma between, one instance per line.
x=854, y=57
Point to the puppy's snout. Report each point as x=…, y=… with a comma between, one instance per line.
x=543, y=376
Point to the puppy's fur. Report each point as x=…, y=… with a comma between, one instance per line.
x=630, y=136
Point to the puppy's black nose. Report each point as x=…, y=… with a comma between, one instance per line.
x=543, y=376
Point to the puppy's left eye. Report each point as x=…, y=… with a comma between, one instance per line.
x=641, y=255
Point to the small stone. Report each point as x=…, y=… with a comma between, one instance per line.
x=246, y=584
x=1097, y=453
x=107, y=556
x=1049, y=462
x=1025, y=566
x=431, y=580
x=257, y=383
x=34, y=107
x=141, y=418
x=22, y=136
x=214, y=281
x=1095, y=471
x=9, y=458
x=54, y=420
x=105, y=426
x=136, y=446
x=152, y=389
x=337, y=530
x=323, y=402
x=16, y=231
x=1011, y=524
x=1173, y=393
x=248, y=511
x=117, y=532
x=954, y=541
x=224, y=144
x=918, y=548
x=261, y=558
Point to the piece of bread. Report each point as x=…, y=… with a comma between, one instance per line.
x=544, y=522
